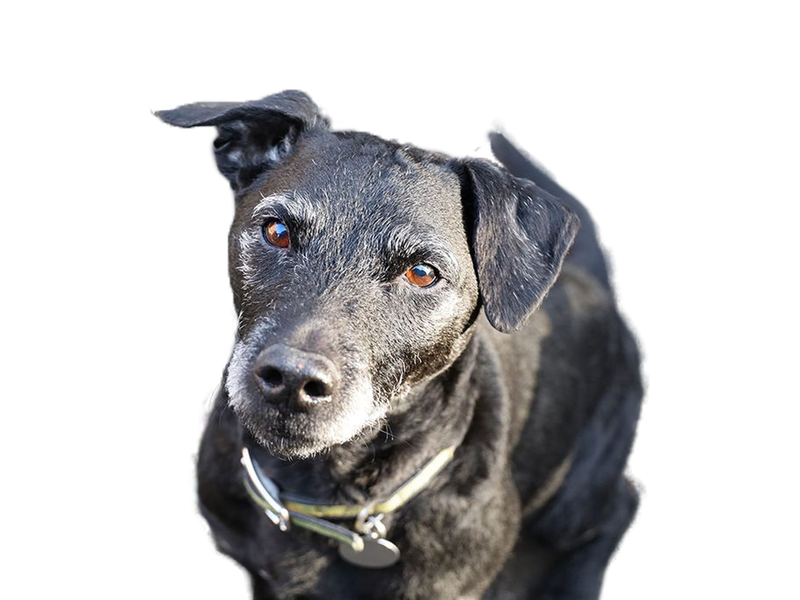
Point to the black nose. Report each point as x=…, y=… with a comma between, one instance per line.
x=300, y=379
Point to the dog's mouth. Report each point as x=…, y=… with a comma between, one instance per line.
x=282, y=433
x=292, y=435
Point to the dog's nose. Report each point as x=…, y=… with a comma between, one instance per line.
x=286, y=375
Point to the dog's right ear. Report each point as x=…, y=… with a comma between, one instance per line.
x=253, y=136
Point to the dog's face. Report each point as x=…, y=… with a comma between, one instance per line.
x=353, y=281
x=359, y=265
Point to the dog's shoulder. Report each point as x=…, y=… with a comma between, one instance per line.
x=570, y=347
x=589, y=340
x=583, y=327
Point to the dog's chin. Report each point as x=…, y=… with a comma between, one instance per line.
x=288, y=447
x=286, y=436
x=294, y=436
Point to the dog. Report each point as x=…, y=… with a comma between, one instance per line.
x=431, y=394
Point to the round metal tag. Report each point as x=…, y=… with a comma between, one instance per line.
x=377, y=553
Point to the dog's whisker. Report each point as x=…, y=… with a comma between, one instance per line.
x=389, y=435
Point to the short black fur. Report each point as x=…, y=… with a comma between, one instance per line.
x=535, y=500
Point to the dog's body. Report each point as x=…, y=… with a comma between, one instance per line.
x=535, y=500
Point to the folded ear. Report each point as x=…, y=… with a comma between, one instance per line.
x=520, y=236
x=253, y=136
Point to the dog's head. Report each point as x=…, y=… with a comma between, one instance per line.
x=358, y=266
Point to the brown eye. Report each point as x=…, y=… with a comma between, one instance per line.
x=422, y=275
x=276, y=233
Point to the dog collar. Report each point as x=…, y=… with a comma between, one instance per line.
x=367, y=546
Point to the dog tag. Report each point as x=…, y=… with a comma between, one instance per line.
x=378, y=553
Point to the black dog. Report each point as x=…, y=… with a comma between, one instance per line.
x=376, y=285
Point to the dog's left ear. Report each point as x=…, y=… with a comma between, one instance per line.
x=253, y=136
x=520, y=236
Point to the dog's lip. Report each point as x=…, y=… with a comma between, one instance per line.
x=271, y=436
x=281, y=422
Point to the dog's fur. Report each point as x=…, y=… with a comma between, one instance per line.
x=419, y=369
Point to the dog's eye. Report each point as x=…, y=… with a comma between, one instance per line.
x=276, y=233
x=422, y=275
